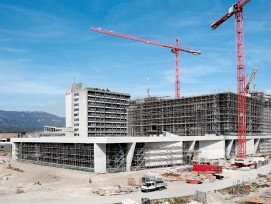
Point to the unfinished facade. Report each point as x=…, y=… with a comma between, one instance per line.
x=198, y=116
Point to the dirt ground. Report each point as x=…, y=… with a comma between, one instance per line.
x=25, y=181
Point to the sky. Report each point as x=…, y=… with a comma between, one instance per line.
x=46, y=45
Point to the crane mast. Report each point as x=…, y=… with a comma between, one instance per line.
x=174, y=48
x=237, y=9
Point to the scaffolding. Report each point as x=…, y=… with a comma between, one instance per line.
x=76, y=156
x=198, y=116
x=152, y=157
x=265, y=146
x=115, y=157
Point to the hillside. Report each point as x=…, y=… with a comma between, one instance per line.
x=25, y=121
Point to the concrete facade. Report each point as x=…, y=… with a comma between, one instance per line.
x=93, y=112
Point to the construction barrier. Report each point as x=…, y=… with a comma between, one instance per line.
x=205, y=168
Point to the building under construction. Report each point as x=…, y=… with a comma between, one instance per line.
x=199, y=115
x=106, y=132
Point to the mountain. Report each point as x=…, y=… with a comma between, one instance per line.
x=26, y=121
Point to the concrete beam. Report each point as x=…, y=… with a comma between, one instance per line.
x=99, y=158
x=129, y=155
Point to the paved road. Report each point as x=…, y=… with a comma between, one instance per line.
x=182, y=190
x=191, y=188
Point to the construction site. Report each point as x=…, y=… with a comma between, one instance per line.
x=117, y=149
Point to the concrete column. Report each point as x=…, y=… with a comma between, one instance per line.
x=256, y=145
x=229, y=148
x=14, y=151
x=99, y=158
x=129, y=155
x=192, y=145
x=250, y=146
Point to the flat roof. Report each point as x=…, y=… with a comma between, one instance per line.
x=152, y=139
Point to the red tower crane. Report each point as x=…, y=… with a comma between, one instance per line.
x=237, y=9
x=174, y=48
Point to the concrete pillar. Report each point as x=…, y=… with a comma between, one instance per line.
x=256, y=145
x=99, y=157
x=250, y=146
x=191, y=145
x=229, y=148
x=14, y=151
x=129, y=155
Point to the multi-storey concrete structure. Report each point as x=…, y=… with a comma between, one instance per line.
x=199, y=115
x=93, y=112
x=161, y=132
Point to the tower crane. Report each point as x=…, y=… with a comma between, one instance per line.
x=250, y=79
x=237, y=9
x=174, y=48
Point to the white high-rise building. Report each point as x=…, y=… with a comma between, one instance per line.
x=93, y=112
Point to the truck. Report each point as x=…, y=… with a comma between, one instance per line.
x=153, y=185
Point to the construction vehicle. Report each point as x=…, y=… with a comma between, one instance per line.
x=250, y=80
x=129, y=201
x=153, y=185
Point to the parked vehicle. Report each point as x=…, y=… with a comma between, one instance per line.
x=153, y=185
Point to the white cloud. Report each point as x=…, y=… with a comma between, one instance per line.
x=12, y=49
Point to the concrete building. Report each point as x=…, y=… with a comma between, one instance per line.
x=93, y=112
x=161, y=132
x=5, y=140
x=115, y=154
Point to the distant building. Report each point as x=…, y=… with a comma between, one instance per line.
x=52, y=131
x=5, y=137
x=5, y=144
x=93, y=112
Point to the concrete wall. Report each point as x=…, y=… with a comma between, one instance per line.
x=5, y=146
x=212, y=149
x=83, y=113
x=69, y=109
x=250, y=146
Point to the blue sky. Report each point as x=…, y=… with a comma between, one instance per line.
x=45, y=45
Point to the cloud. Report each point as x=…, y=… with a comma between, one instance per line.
x=186, y=22
x=15, y=50
x=33, y=24
x=258, y=26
